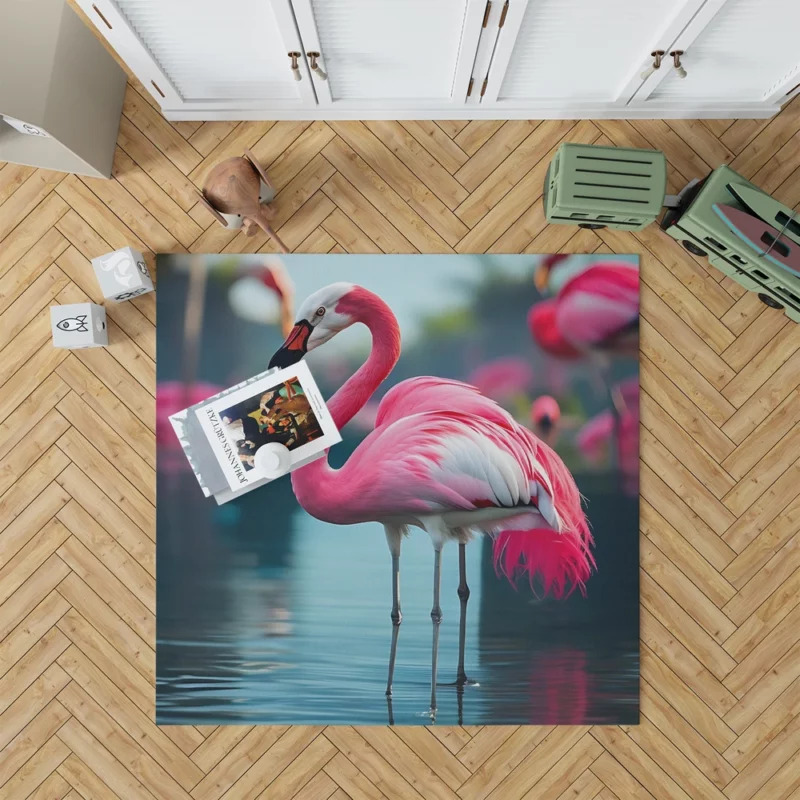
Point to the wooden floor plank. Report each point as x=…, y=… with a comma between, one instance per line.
x=349, y=164
x=89, y=757
x=139, y=111
x=12, y=176
x=402, y=180
x=26, y=527
x=683, y=555
x=243, y=136
x=537, y=146
x=30, y=703
x=108, y=478
x=31, y=738
x=476, y=133
x=119, y=744
x=115, y=522
x=30, y=630
x=437, y=143
x=378, y=229
x=678, y=731
x=419, y=161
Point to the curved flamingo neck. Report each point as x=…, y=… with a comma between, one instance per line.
x=317, y=486
x=363, y=306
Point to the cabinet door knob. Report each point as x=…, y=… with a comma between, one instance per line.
x=657, y=56
x=676, y=60
x=294, y=55
x=313, y=56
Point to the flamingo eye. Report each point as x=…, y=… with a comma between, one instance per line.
x=320, y=312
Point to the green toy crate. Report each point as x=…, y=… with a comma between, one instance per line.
x=598, y=187
x=702, y=232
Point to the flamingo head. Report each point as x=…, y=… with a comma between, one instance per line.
x=545, y=413
x=542, y=275
x=556, y=271
x=264, y=294
x=321, y=316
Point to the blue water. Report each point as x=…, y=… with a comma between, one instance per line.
x=290, y=624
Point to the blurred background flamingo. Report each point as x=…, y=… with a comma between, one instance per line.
x=507, y=380
x=261, y=293
x=599, y=433
x=264, y=293
x=597, y=305
x=545, y=416
x=174, y=396
x=443, y=457
x=502, y=378
x=594, y=311
x=546, y=333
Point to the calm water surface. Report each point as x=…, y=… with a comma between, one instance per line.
x=288, y=622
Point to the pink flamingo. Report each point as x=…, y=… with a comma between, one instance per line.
x=605, y=427
x=593, y=435
x=264, y=293
x=545, y=415
x=502, y=379
x=596, y=308
x=171, y=397
x=545, y=331
x=443, y=458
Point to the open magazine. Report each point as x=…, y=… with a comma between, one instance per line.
x=228, y=436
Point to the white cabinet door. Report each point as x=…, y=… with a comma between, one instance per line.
x=735, y=51
x=208, y=54
x=390, y=54
x=555, y=54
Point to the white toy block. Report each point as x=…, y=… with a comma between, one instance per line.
x=79, y=325
x=122, y=274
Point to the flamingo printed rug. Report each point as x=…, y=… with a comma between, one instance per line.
x=468, y=554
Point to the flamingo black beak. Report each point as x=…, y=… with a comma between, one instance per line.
x=546, y=424
x=295, y=346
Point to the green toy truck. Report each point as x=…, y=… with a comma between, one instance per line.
x=696, y=225
x=745, y=234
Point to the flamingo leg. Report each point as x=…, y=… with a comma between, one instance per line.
x=436, y=617
x=617, y=404
x=394, y=537
x=604, y=372
x=463, y=596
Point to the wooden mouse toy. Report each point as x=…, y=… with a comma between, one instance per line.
x=234, y=195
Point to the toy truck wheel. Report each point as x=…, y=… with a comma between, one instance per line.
x=769, y=301
x=693, y=248
x=592, y=226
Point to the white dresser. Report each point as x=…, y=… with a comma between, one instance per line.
x=450, y=59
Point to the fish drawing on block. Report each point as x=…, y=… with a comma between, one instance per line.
x=77, y=324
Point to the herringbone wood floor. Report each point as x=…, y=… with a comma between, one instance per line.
x=720, y=552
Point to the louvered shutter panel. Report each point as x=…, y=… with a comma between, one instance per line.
x=387, y=50
x=583, y=50
x=214, y=49
x=748, y=48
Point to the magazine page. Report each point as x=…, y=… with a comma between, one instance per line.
x=284, y=407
